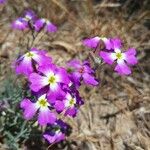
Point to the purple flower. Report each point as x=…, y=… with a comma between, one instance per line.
x=46, y=24
x=27, y=63
x=51, y=77
x=20, y=24
x=42, y=105
x=2, y=1
x=30, y=15
x=122, y=59
x=57, y=132
x=95, y=41
x=82, y=72
x=70, y=104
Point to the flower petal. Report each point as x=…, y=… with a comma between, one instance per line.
x=130, y=56
x=89, y=79
x=29, y=108
x=117, y=44
x=71, y=112
x=39, y=24
x=109, y=58
x=51, y=27
x=24, y=66
x=37, y=82
x=46, y=116
x=59, y=106
x=122, y=69
x=41, y=58
x=91, y=42
x=74, y=64
x=62, y=73
x=54, y=138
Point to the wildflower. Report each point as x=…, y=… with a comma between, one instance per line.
x=123, y=59
x=95, y=41
x=46, y=24
x=42, y=105
x=70, y=103
x=30, y=15
x=57, y=132
x=49, y=76
x=81, y=72
x=20, y=24
x=27, y=63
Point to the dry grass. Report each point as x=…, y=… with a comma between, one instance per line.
x=116, y=115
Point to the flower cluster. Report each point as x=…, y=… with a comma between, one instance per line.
x=55, y=90
x=31, y=21
x=112, y=53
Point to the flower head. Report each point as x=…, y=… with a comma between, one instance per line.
x=123, y=59
x=20, y=24
x=42, y=105
x=46, y=24
x=70, y=103
x=50, y=77
x=81, y=71
x=27, y=63
x=30, y=15
x=57, y=132
x=95, y=41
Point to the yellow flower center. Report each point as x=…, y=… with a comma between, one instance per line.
x=43, y=103
x=71, y=102
x=52, y=80
x=29, y=54
x=118, y=55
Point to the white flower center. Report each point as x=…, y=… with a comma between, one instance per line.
x=42, y=102
x=70, y=102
